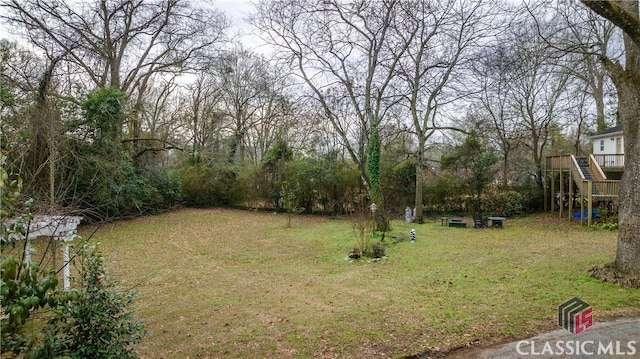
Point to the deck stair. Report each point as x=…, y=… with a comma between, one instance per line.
x=587, y=174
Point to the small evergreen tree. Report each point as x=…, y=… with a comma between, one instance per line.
x=99, y=323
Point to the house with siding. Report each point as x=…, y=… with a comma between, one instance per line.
x=608, y=147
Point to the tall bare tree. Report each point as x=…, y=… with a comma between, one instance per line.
x=341, y=51
x=278, y=117
x=245, y=83
x=441, y=35
x=625, y=15
x=537, y=96
x=203, y=117
x=20, y=73
x=122, y=44
x=493, y=71
x=583, y=34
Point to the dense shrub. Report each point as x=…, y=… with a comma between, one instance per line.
x=377, y=250
x=448, y=194
x=509, y=203
x=399, y=185
x=321, y=184
x=97, y=323
x=104, y=180
x=168, y=186
x=445, y=194
x=205, y=186
x=91, y=320
x=24, y=287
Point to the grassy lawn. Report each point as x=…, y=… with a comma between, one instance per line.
x=233, y=284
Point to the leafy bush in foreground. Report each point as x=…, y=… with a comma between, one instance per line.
x=98, y=323
x=93, y=320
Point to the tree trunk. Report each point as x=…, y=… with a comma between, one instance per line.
x=598, y=96
x=419, y=168
x=373, y=169
x=505, y=168
x=628, y=252
x=627, y=83
x=624, y=14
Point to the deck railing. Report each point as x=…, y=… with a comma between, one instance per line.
x=595, y=170
x=606, y=189
x=560, y=161
x=610, y=161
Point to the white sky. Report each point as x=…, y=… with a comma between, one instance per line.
x=236, y=10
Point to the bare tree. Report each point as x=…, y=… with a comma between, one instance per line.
x=203, y=117
x=20, y=71
x=122, y=44
x=625, y=15
x=32, y=80
x=598, y=35
x=493, y=70
x=245, y=86
x=277, y=116
x=341, y=51
x=160, y=121
x=441, y=35
x=538, y=94
x=581, y=36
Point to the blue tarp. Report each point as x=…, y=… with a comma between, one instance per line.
x=594, y=214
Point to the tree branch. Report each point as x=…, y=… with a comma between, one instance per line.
x=625, y=20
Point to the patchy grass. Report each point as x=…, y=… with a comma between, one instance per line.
x=225, y=283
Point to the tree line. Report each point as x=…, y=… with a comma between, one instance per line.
x=122, y=108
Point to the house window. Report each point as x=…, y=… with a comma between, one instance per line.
x=601, y=145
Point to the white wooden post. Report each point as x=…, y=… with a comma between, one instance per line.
x=65, y=269
x=60, y=228
x=27, y=251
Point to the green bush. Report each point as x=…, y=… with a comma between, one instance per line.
x=104, y=181
x=24, y=287
x=445, y=194
x=509, y=203
x=92, y=320
x=399, y=184
x=98, y=321
x=377, y=250
x=205, y=186
x=608, y=226
x=167, y=188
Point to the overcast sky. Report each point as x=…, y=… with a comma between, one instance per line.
x=235, y=9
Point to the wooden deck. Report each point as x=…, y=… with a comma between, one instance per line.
x=587, y=174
